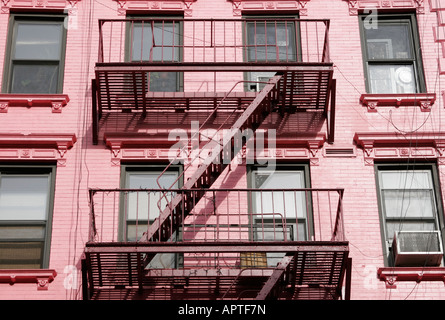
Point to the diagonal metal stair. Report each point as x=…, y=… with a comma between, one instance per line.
x=213, y=164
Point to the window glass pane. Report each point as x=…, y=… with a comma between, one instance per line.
x=163, y=81
x=284, y=205
x=21, y=255
x=409, y=179
x=158, y=41
x=24, y=197
x=38, y=41
x=22, y=232
x=394, y=226
x=135, y=230
x=271, y=41
x=28, y=78
x=408, y=203
x=392, y=78
x=141, y=203
x=389, y=41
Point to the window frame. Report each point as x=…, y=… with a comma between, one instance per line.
x=416, y=60
x=141, y=168
x=14, y=20
x=406, y=167
x=296, y=36
x=30, y=170
x=298, y=51
x=305, y=169
x=144, y=167
x=128, y=43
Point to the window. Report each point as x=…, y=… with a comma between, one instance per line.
x=157, y=40
x=140, y=208
x=269, y=39
x=408, y=201
x=35, y=60
x=280, y=215
x=391, y=53
x=25, y=217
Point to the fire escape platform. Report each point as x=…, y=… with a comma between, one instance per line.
x=315, y=270
x=122, y=87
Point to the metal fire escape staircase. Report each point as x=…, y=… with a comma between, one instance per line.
x=290, y=276
x=308, y=269
x=213, y=161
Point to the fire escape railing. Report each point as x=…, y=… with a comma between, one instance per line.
x=208, y=56
x=214, y=40
x=221, y=215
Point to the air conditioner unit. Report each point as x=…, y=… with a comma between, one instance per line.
x=417, y=248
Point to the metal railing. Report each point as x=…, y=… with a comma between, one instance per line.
x=123, y=215
x=213, y=40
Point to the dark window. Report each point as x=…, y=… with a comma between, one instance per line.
x=391, y=54
x=269, y=39
x=157, y=40
x=25, y=217
x=36, y=55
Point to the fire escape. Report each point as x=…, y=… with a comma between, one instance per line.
x=221, y=248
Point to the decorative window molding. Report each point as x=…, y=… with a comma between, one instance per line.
x=357, y=5
x=383, y=145
x=42, y=277
x=68, y=6
x=55, y=101
x=184, y=6
x=392, y=275
x=133, y=146
x=245, y=6
x=136, y=146
x=36, y=146
x=295, y=147
x=423, y=100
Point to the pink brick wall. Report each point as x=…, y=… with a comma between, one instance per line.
x=90, y=166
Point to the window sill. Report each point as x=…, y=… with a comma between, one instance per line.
x=55, y=101
x=391, y=275
x=42, y=277
x=423, y=100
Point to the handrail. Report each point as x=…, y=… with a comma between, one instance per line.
x=190, y=141
x=225, y=211
x=204, y=34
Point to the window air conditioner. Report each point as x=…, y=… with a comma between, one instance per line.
x=417, y=248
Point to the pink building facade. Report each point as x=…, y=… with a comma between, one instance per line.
x=223, y=149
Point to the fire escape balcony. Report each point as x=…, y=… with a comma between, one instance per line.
x=214, y=65
x=222, y=244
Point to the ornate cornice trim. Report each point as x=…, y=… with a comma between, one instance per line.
x=55, y=101
x=423, y=100
x=355, y=6
x=185, y=6
x=138, y=146
x=68, y=6
x=245, y=6
x=392, y=275
x=18, y=146
x=42, y=277
x=393, y=145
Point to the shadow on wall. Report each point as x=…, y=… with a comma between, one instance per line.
x=162, y=123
